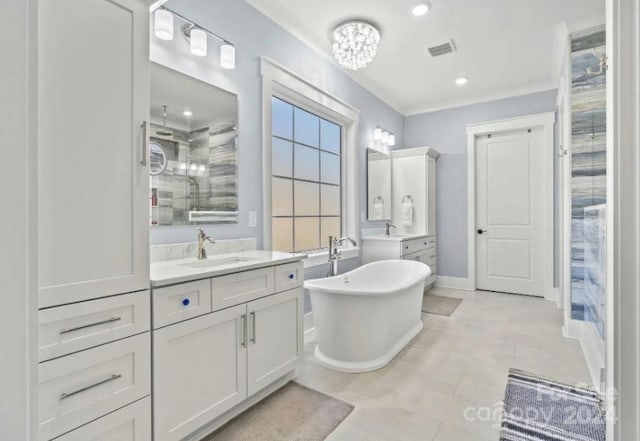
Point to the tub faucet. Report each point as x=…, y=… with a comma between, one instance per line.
x=334, y=252
x=387, y=227
x=202, y=238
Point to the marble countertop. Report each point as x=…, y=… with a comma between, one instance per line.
x=185, y=270
x=395, y=237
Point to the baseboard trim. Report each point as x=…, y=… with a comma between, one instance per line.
x=461, y=283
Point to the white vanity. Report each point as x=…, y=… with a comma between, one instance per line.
x=421, y=248
x=411, y=175
x=227, y=331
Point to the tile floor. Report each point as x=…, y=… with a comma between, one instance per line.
x=447, y=385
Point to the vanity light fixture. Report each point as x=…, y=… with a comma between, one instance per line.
x=462, y=81
x=383, y=138
x=227, y=56
x=197, y=36
x=391, y=140
x=421, y=9
x=163, y=24
x=188, y=113
x=198, y=42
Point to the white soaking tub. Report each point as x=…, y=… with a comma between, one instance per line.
x=365, y=317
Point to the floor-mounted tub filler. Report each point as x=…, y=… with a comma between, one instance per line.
x=365, y=317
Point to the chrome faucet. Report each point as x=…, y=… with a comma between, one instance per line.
x=334, y=252
x=387, y=227
x=202, y=238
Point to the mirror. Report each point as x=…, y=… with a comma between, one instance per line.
x=378, y=185
x=193, y=151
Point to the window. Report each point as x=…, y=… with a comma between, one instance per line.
x=306, y=187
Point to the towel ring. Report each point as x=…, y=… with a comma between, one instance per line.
x=407, y=198
x=378, y=199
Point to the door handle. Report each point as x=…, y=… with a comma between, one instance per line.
x=481, y=231
x=143, y=159
x=243, y=327
x=253, y=327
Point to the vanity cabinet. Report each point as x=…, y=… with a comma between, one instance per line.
x=93, y=181
x=420, y=248
x=209, y=366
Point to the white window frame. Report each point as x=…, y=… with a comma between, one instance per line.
x=282, y=83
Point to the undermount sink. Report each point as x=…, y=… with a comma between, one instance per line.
x=217, y=262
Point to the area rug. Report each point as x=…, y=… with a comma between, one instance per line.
x=293, y=413
x=541, y=409
x=440, y=305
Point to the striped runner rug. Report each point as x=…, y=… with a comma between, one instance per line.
x=541, y=409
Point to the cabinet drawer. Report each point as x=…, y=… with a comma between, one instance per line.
x=79, y=326
x=431, y=258
x=241, y=287
x=176, y=303
x=81, y=387
x=414, y=245
x=131, y=423
x=289, y=276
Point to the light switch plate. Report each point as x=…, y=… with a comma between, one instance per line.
x=253, y=219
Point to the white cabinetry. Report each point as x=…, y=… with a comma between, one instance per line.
x=93, y=239
x=200, y=371
x=93, y=97
x=208, y=367
x=414, y=177
x=421, y=249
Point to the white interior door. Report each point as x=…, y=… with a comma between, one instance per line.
x=509, y=212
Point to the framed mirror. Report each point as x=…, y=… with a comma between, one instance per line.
x=193, y=151
x=378, y=186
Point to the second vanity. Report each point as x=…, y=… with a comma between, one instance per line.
x=226, y=332
x=421, y=248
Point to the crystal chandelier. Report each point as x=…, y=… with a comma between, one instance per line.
x=355, y=44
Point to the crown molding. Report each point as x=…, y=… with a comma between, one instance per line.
x=292, y=25
x=482, y=98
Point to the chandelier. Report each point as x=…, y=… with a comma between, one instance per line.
x=355, y=44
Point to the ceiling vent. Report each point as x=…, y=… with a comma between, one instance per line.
x=442, y=49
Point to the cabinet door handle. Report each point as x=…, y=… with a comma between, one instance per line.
x=66, y=395
x=90, y=325
x=143, y=160
x=243, y=327
x=253, y=327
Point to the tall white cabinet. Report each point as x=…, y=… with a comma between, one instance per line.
x=414, y=177
x=93, y=98
x=94, y=376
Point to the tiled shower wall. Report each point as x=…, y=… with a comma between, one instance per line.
x=588, y=163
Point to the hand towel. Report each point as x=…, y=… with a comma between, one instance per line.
x=407, y=212
x=378, y=208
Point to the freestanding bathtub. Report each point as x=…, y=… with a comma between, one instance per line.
x=365, y=317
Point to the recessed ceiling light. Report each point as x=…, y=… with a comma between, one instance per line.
x=421, y=9
x=187, y=113
x=461, y=81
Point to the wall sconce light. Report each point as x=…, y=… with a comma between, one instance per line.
x=198, y=42
x=163, y=24
x=384, y=138
x=197, y=36
x=227, y=56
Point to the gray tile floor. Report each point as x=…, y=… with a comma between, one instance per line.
x=447, y=385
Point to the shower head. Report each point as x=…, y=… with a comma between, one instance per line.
x=164, y=131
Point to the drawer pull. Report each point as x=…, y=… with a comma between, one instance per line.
x=433, y=256
x=291, y=276
x=243, y=326
x=253, y=327
x=77, y=328
x=75, y=392
x=185, y=302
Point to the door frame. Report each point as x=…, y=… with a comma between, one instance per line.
x=546, y=121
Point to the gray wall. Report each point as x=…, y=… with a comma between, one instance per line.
x=445, y=130
x=255, y=35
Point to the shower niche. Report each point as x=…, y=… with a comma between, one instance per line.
x=193, y=151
